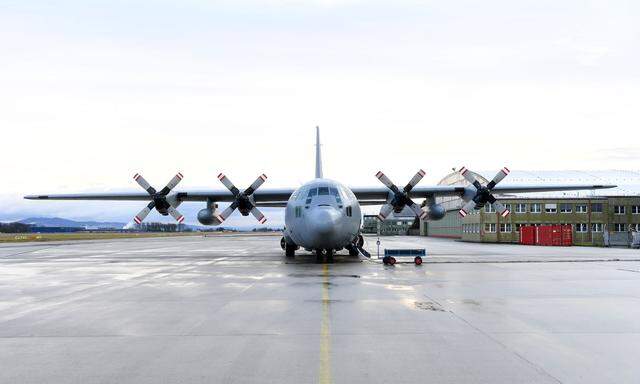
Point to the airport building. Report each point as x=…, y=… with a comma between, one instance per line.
x=596, y=220
x=390, y=227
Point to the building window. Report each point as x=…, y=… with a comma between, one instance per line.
x=596, y=227
x=489, y=208
x=565, y=208
x=619, y=209
x=581, y=208
x=619, y=227
x=551, y=208
x=582, y=227
x=635, y=209
x=536, y=208
x=635, y=227
x=505, y=227
x=477, y=227
x=518, y=226
x=521, y=208
x=596, y=208
x=490, y=228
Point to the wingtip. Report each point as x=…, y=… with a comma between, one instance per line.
x=36, y=197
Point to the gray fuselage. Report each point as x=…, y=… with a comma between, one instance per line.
x=322, y=214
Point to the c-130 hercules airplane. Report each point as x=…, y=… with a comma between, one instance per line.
x=323, y=215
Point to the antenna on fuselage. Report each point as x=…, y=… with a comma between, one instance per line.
x=318, y=155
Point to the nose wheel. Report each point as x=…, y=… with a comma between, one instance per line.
x=321, y=254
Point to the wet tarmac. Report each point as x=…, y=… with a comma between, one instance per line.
x=233, y=309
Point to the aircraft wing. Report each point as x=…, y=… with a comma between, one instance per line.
x=547, y=188
x=279, y=197
x=379, y=195
x=262, y=197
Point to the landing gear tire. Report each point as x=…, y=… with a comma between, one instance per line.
x=290, y=250
x=321, y=253
x=329, y=256
x=418, y=260
x=360, y=241
x=353, y=251
x=388, y=260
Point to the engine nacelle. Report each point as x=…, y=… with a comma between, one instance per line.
x=205, y=217
x=436, y=212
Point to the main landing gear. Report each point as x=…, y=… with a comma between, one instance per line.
x=289, y=249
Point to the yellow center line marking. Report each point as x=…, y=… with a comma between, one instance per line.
x=325, y=331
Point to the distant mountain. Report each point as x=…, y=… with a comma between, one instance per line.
x=60, y=222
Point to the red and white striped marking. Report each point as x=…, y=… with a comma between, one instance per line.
x=424, y=214
x=137, y=220
x=463, y=170
x=180, y=219
x=463, y=213
x=179, y=175
x=136, y=176
x=422, y=173
x=379, y=174
x=263, y=220
x=505, y=213
x=220, y=176
x=381, y=217
x=505, y=170
x=220, y=218
x=263, y=177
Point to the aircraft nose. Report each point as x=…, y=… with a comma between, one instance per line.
x=324, y=220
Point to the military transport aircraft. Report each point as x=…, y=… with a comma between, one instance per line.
x=323, y=215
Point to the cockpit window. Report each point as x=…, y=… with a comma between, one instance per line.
x=311, y=194
x=334, y=192
x=323, y=191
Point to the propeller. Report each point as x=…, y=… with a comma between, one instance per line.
x=243, y=201
x=483, y=193
x=401, y=197
x=159, y=201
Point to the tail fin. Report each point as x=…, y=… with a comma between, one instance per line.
x=318, y=155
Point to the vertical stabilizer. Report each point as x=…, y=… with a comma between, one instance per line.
x=318, y=155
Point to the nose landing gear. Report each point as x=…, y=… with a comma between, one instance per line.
x=321, y=253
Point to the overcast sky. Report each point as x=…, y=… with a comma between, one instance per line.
x=92, y=92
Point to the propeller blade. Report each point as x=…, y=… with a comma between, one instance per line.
x=421, y=213
x=144, y=184
x=385, y=211
x=414, y=181
x=385, y=180
x=464, y=211
x=227, y=212
x=501, y=209
x=258, y=215
x=143, y=214
x=498, y=177
x=175, y=214
x=469, y=177
x=172, y=184
x=256, y=184
x=227, y=183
